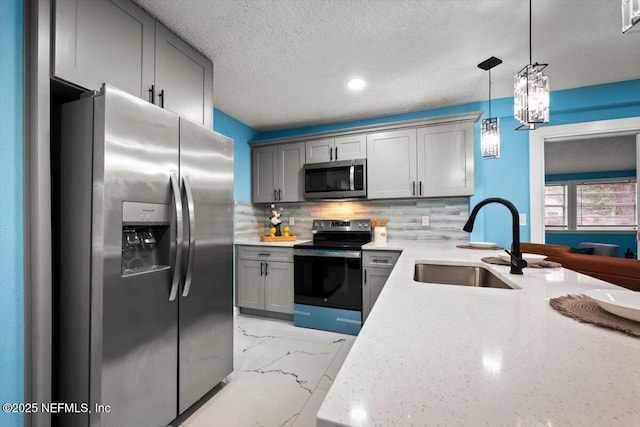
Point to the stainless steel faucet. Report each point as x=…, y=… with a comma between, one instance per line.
x=517, y=263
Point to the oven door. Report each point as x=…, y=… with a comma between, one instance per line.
x=328, y=278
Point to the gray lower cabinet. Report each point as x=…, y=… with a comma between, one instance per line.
x=376, y=268
x=116, y=42
x=277, y=174
x=264, y=278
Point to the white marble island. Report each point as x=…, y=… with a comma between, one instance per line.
x=447, y=355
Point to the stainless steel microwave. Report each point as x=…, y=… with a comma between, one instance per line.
x=346, y=179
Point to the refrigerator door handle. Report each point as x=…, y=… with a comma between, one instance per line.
x=192, y=235
x=177, y=267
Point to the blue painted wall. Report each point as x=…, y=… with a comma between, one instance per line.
x=11, y=223
x=241, y=135
x=508, y=176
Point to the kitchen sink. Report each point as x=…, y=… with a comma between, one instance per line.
x=461, y=275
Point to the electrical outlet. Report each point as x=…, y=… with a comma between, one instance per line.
x=425, y=220
x=292, y=221
x=523, y=219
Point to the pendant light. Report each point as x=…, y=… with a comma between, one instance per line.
x=531, y=92
x=490, y=128
x=630, y=14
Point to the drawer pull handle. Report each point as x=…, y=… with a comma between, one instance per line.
x=263, y=254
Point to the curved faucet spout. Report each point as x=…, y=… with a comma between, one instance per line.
x=517, y=263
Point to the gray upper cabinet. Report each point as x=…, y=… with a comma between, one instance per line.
x=183, y=78
x=346, y=147
x=116, y=42
x=425, y=158
x=434, y=161
x=318, y=150
x=104, y=41
x=264, y=177
x=445, y=160
x=290, y=172
x=391, y=164
x=276, y=173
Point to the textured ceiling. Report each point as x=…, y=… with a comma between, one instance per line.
x=285, y=63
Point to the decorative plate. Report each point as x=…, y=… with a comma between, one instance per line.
x=530, y=258
x=483, y=245
x=620, y=302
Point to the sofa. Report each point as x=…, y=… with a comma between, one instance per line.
x=619, y=271
x=602, y=249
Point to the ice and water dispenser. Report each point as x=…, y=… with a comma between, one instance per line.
x=146, y=242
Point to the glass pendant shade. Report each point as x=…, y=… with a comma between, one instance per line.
x=531, y=96
x=630, y=14
x=490, y=138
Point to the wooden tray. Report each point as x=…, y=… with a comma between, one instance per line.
x=278, y=238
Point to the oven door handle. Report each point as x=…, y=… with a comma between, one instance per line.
x=327, y=253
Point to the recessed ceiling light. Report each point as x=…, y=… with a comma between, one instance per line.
x=356, y=84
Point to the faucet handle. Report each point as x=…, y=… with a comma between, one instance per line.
x=516, y=260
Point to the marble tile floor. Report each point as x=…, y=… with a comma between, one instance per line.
x=281, y=375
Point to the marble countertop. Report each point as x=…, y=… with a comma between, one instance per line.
x=446, y=355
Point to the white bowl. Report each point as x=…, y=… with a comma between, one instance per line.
x=617, y=301
x=530, y=258
x=483, y=245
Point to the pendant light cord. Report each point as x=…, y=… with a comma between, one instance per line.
x=489, y=93
x=530, y=20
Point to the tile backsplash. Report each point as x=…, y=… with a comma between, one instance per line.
x=446, y=217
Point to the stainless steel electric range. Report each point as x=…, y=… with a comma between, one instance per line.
x=328, y=276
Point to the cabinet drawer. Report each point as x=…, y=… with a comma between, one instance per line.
x=380, y=259
x=265, y=253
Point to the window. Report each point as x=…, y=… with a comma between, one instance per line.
x=590, y=205
x=555, y=205
x=608, y=204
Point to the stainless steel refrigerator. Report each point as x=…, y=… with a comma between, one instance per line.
x=145, y=323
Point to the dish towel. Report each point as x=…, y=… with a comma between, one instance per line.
x=542, y=264
x=585, y=310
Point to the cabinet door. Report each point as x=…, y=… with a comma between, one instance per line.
x=445, y=160
x=319, y=150
x=279, y=287
x=250, y=279
x=391, y=164
x=102, y=41
x=350, y=147
x=264, y=178
x=373, y=282
x=290, y=174
x=184, y=78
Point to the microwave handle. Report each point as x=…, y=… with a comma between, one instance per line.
x=352, y=184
